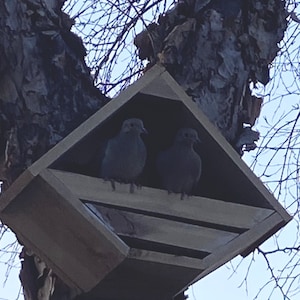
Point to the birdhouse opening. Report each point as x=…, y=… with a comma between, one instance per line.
x=162, y=118
x=132, y=242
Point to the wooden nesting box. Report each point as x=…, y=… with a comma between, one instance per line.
x=145, y=245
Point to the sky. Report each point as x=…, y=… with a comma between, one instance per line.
x=9, y=267
x=228, y=282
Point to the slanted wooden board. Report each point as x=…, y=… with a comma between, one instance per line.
x=197, y=209
x=152, y=82
x=147, y=275
x=160, y=88
x=134, y=218
x=138, y=228
x=231, y=214
x=225, y=149
x=55, y=225
x=262, y=230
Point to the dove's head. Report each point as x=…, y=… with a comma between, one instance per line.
x=133, y=125
x=187, y=136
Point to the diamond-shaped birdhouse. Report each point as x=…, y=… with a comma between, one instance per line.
x=115, y=244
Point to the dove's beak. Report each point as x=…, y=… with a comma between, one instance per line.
x=144, y=130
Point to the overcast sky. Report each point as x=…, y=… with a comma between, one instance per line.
x=222, y=284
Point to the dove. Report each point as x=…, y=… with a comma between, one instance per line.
x=125, y=154
x=179, y=167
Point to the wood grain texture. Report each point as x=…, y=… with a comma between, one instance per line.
x=246, y=215
x=237, y=246
x=146, y=275
x=156, y=201
x=235, y=167
x=164, y=232
x=56, y=227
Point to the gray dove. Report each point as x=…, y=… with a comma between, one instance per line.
x=125, y=154
x=179, y=167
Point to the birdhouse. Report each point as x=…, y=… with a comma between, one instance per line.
x=114, y=244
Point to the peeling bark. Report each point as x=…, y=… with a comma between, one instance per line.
x=214, y=49
x=45, y=88
x=45, y=92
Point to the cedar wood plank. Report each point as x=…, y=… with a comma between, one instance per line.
x=158, y=201
x=224, y=145
x=57, y=226
x=238, y=245
x=166, y=259
x=164, y=231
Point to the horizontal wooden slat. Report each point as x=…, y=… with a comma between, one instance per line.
x=166, y=259
x=165, y=232
x=237, y=246
x=159, y=202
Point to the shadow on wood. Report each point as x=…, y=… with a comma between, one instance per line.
x=147, y=244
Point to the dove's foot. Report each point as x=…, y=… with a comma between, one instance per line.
x=131, y=189
x=182, y=196
x=113, y=184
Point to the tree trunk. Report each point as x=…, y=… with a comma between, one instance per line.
x=45, y=92
x=212, y=48
x=46, y=88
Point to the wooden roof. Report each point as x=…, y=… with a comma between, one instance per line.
x=92, y=236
